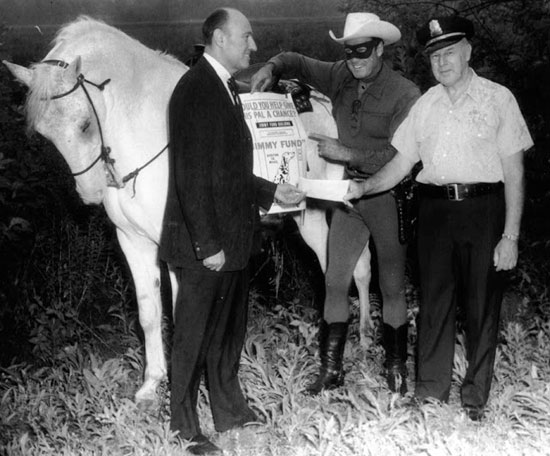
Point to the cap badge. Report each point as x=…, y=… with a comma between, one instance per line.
x=435, y=28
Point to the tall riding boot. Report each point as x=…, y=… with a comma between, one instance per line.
x=332, y=339
x=395, y=344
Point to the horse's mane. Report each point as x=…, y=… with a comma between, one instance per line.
x=47, y=78
x=82, y=25
x=85, y=24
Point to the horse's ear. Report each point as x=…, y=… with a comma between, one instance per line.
x=21, y=73
x=73, y=70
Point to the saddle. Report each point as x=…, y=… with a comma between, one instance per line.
x=299, y=91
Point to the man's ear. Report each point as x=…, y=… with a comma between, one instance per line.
x=218, y=37
x=468, y=51
x=380, y=48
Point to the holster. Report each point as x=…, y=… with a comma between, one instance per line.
x=406, y=199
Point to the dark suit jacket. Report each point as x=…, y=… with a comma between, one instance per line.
x=213, y=196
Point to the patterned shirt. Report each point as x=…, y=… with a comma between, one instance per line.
x=463, y=142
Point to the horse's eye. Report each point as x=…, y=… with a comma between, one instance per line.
x=84, y=127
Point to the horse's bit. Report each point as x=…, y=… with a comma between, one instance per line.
x=105, y=150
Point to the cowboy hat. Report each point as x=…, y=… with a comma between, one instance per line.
x=367, y=25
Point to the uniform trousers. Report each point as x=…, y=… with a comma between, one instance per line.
x=456, y=242
x=209, y=330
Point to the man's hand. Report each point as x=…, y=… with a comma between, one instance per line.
x=506, y=255
x=331, y=148
x=262, y=79
x=215, y=262
x=288, y=194
x=356, y=190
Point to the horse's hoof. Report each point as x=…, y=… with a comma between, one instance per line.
x=365, y=340
x=147, y=406
x=146, y=400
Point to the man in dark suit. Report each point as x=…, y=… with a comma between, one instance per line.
x=209, y=224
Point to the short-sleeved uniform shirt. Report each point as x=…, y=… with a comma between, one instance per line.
x=463, y=142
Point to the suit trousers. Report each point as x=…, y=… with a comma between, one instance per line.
x=209, y=329
x=456, y=242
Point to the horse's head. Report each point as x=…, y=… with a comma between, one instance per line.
x=66, y=117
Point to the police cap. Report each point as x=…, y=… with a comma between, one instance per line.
x=440, y=32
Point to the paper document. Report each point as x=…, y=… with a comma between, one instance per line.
x=331, y=190
x=279, y=140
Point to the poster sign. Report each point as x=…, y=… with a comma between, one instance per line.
x=279, y=140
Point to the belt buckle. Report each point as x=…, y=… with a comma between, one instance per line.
x=452, y=192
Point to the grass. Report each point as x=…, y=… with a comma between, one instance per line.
x=80, y=403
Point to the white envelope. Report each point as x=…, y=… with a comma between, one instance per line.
x=331, y=190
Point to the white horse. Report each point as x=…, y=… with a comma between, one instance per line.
x=101, y=97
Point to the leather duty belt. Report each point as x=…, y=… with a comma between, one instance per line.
x=459, y=192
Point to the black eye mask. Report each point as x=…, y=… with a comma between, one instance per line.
x=361, y=50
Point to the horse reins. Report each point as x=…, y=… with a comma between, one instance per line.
x=105, y=150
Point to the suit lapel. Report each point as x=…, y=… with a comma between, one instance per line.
x=219, y=87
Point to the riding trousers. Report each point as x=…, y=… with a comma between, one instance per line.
x=350, y=231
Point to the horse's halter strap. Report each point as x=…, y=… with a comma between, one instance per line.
x=105, y=150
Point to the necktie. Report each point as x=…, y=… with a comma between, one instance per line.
x=234, y=91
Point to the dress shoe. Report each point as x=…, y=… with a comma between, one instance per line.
x=416, y=402
x=413, y=403
x=248, y=419
x=202, y=446
x=474, y=412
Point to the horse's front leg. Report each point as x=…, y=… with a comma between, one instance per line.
x=141, y=254
x=313, y=227
x=362, y=275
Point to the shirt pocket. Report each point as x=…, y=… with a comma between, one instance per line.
x=376, y=124
x=481, y=125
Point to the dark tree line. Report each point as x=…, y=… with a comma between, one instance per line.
x=39, y=12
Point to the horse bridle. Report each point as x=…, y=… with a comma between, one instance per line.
x=105, y=151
